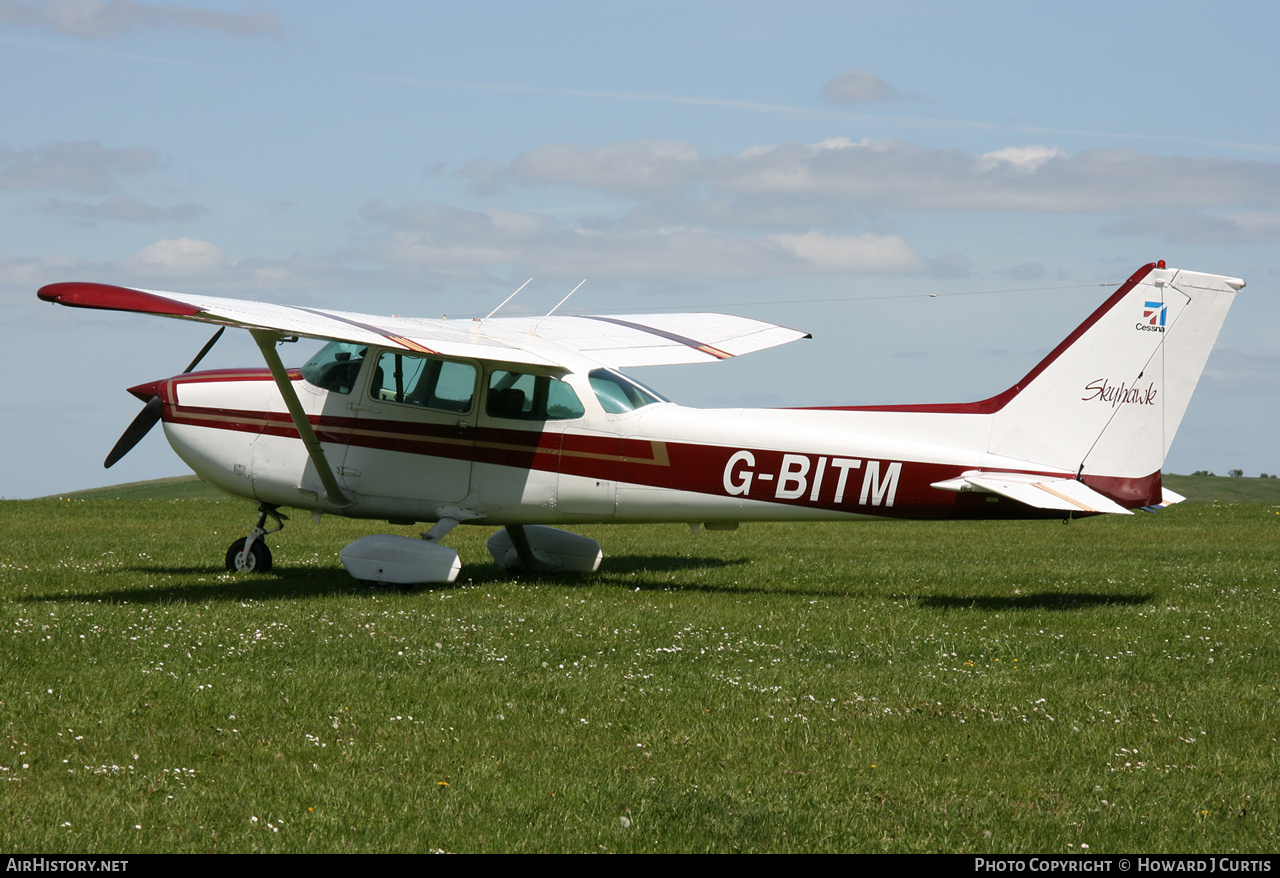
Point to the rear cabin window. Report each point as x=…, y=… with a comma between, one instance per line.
x=335, y=366
x=424, y=381
x=521, y=396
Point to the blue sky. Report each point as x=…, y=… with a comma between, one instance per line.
x=936, y=191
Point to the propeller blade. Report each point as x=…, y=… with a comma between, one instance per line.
x=141, y=425
x=204, y=350
x=150, y=413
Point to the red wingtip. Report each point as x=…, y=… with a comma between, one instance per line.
x=81, y=294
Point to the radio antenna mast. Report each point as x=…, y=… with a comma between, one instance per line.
x=558, y=304
x=504, y=301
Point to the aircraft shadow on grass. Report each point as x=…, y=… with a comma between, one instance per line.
x=1041, y=600
x=626, y=571
x=631, y=572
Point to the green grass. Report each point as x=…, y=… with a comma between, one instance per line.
x=984, y=687
x=1223, y=489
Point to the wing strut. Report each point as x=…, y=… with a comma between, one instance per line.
x=267, y=344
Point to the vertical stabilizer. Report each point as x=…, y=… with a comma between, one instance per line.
x=1108, y=400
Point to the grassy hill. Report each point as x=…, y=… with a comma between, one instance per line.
x=1222, y=489
x=172, y=488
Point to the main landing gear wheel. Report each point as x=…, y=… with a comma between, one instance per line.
x=257, y=560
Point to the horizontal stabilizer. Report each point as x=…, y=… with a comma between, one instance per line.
x=1167, y=498
x=1041, y=492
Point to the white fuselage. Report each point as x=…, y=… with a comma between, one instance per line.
x=660, y=462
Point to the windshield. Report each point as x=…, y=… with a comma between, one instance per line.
x=619, y=394
x=336, y=366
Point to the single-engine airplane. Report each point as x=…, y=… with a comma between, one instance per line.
x=523, y=423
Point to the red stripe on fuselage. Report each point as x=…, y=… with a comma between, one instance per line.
x=790, y=478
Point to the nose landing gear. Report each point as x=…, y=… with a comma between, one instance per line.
x=251, y=554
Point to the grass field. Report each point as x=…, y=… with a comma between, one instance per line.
x=989, y=687
x=1223, y=489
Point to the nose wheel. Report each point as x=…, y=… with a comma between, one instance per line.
x=251, y=554
x=256, y=560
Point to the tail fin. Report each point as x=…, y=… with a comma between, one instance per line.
x=1108, y=400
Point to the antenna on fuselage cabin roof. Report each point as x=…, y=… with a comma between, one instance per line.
x=558, y=304
x=504, y=301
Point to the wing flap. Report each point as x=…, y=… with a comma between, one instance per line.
x=1040, y=492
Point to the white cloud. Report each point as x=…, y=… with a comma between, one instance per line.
x=1250, y=227
x=98, y=19
x=829, y=208
x=859, y=86
x=201, y=267
x=75, y=165
x=117, y=208
x=22, y=276
x=448, y=239
x=1020, y=158
x=180, y=259
x=1027, y=271
x=779, y=213
x=854, y=254
x=900, y=175
x=643, y=167
x=483, y=176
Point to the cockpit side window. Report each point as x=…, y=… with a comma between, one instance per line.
x=336, y=366
x=424, y=381
x=618, y=394
x=522, y=396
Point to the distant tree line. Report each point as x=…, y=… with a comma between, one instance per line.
x=1233, y=473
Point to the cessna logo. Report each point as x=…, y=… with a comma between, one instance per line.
x=819, y=479
x=1120, y=394
x=1153, y=317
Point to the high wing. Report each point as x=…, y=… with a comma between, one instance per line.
x=622, y=341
